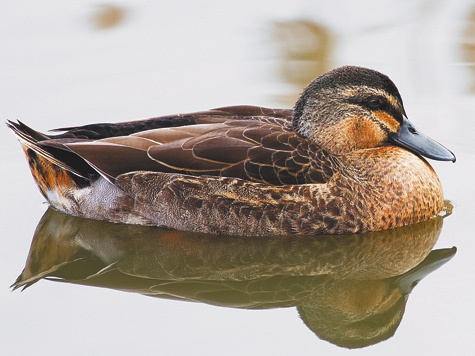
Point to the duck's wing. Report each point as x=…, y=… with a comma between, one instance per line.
x=251, y=143
x=260, y=150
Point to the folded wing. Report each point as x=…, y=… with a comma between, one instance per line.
x=258, y=148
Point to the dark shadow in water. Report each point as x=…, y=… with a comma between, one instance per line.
x=350, y=289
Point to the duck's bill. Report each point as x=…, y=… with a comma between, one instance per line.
x=412, y=139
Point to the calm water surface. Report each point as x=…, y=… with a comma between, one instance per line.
x=407, y=291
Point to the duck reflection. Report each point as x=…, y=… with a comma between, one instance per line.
x=350, y=290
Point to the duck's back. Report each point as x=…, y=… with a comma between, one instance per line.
x=250, y=143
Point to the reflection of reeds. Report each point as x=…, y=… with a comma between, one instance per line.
x=468, y=46
x=302, y=47
x=108, y=16
x=350, y=290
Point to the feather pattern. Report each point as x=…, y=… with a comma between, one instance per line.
x=341, y=162
x=224, y=142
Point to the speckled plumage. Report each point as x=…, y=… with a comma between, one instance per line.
x=334, y=165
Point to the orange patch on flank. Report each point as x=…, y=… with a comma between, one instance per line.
x=390, y=122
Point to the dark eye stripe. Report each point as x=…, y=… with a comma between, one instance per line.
x=377, y=103
x=387, y=122
x=386, y=106
x=394, y=112
x=381, y=125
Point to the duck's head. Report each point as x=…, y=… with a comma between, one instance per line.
x=353, y=108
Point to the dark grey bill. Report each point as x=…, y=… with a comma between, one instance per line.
x=411, y=138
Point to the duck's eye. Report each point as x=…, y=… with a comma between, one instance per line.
x=375, y=103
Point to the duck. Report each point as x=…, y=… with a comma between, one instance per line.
x=344, y=160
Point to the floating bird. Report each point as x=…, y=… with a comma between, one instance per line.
x=345, y=160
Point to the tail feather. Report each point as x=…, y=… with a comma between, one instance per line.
x=20, y=128
x=32, y=139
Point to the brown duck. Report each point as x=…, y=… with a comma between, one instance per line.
x=345, y=160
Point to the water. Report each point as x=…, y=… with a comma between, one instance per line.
x=71, y=64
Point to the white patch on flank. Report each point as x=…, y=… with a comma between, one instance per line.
x=59, y=201
x=102, y=200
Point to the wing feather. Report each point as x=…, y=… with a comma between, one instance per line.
x=111, y=159
x=247, y=142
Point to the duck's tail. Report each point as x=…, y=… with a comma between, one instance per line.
x=55, y=178
x=69, y=183
x=36, y=141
